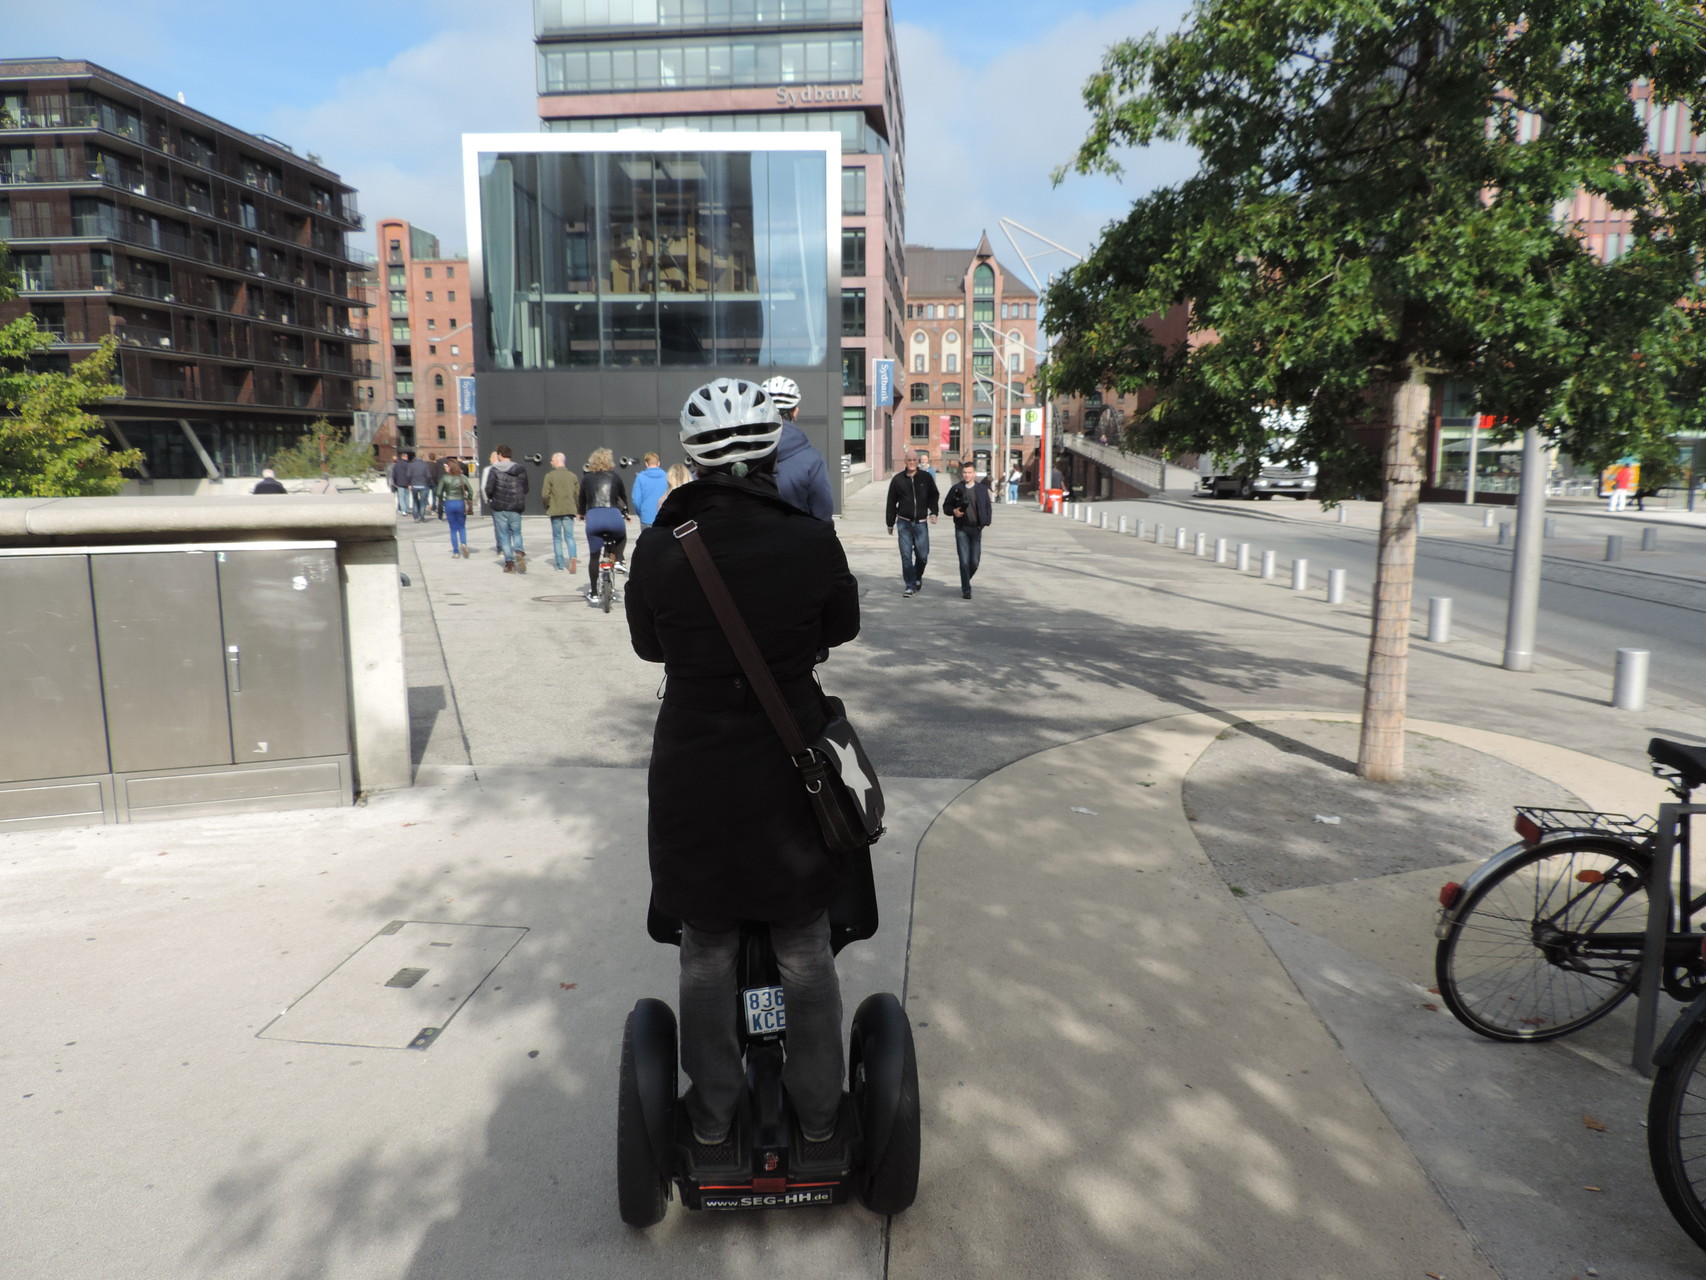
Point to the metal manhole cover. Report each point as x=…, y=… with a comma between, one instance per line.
x=399, y=990
x=558, y=599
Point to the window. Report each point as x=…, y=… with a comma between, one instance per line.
x=983, y=281
x=428, y=270
x=438, y=379
x=705, y=61
x=1016, y=363
x=951, y=336
x=852, y=313
x=450, y=273
x=919, y=393
x=399, y=332
x=451, y=296
x=950, y=393
x=920, y=364
x=405, y=385
x=452, y=322
x=920, y=337
x=950, y=362
x=455, y=350
x=852, y=424
x=429, y=295
x=954, y=434
x=983, y=310
x=441, y=432
x=853, y=190
x=853, y=251
x=397, y=278
x=399, y=304
x=432, y=349
x=431, y=323
x=853, y=372
x=438, y=404
x=918, y=427
x=982, y=426
x=397, y=249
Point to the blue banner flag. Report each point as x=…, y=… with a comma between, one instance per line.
x=465, y=396
x=883, y=377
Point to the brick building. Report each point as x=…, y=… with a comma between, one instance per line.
x=216, y=258
x=423, y=321
x=970, y=363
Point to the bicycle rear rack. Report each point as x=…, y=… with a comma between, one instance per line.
x=1549, y=821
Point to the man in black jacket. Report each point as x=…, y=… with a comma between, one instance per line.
x=910, y=511
x=730, y=833
x=968, y=503
x=506, y=499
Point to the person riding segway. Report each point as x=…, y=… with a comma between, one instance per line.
x=757, y=900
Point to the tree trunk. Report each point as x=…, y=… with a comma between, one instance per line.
x=1380, y=754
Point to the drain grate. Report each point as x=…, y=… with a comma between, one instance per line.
x=406, y=977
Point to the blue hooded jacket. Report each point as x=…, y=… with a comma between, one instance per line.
x=649, y=488
x=800, y=474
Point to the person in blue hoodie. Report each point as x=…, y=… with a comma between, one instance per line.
x=800, y=474
x=649, y=488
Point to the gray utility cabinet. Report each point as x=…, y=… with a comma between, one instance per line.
x=164, y=681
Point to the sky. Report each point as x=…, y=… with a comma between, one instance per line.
x=382, y=90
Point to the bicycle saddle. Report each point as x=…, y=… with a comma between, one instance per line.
x=1690, y=762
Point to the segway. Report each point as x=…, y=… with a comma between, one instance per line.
x=766, y=1161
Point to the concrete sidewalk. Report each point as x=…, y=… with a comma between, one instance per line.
x=1125, y=1070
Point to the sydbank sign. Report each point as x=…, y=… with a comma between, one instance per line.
x=882, y=376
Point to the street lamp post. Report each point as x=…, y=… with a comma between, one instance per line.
x=1006, y=426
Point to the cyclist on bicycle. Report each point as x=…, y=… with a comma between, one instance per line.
x=731, y=834
x=604, y=507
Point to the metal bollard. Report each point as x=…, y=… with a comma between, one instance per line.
x=1243, y=562
x=1504, y=533
x=1439, y=619
x=1421, y=523
x=1613, y=546
x=1104, y=523
x=1300, y=575
x=1199, y=545
x=1649, y=539
x=1139, y=529
x=1343, y=515
x=1122, y=524
x=1160, y=533
x=1335, y=586
x=1629, y=684
x=1487, y=518
x=1267, y=564
x=1549, y=528
x=1220, y=550
x=1179, y=536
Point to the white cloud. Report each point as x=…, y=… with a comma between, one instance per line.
x=395, y=132
x=983, y=141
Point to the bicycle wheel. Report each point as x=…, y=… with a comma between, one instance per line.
x=606, y=589
x=1676, y=1133
x=1519, y=962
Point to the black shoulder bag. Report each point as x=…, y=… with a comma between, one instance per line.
x=840, y=783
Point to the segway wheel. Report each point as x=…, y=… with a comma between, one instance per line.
x=884, y=1072
x=645, y=1101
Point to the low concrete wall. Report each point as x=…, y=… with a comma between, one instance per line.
x=363, y=525
x=242, y=486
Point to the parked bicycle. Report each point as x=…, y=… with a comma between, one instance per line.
x=1546, y=936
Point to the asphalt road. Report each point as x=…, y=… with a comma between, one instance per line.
x=1588, y=609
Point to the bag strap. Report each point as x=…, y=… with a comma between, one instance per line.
x=741, y=641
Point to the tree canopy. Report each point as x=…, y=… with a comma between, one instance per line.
x=1384, y=196
x=1384, y=188
x=324, y=452
x=50, y=445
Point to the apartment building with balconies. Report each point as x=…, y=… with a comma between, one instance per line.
x=216, y=258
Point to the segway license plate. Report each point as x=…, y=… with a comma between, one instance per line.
x=765, y=1015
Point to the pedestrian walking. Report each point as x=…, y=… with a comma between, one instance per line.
x=399, y=479
x=1014, y=475
x=433, y=502
x=268, y=483
x=1622, y=485
x=420, y=482
x=968, y=503
x=678, y=476
x=561, y=494
x=455, y=492
x=506, y=499
x=801, y=477
x=909, y=512
x=649, y=487
x=730, y=835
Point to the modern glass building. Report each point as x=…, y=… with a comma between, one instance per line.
x=612, y=274
x=766, y=67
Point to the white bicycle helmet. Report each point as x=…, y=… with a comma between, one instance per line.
x=730, y=421
x=784, y=391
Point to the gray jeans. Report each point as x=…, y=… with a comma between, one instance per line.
x=711, y=1022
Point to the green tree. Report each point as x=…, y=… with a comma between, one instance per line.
x=50, y=445
x=1379, y=202
x=326, y=451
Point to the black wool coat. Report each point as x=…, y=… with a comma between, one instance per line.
x=730, y=832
